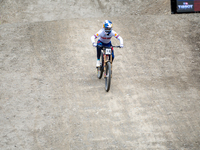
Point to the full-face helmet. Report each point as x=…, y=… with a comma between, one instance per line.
x=107, y=25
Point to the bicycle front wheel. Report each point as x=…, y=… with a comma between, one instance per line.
x=108, y=77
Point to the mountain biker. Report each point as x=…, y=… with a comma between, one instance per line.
x=105, y=35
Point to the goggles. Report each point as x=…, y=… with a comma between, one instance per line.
x=107, y=29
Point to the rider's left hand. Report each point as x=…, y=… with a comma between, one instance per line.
x=121, y=45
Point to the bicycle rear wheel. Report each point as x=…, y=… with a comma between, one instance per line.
x=100, y=69
x=108, y=77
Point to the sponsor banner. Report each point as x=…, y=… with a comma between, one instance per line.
x=196, y=5
x=185, y=5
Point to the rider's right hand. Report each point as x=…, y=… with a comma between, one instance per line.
x=94, y=44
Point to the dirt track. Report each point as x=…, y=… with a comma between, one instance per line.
x=50, y=95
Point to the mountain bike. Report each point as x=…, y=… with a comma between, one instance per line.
x=106, y=65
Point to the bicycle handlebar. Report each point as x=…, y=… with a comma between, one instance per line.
x=108, y=47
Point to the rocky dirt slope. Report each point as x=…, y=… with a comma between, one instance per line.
x=47, y=10
x=50, y=95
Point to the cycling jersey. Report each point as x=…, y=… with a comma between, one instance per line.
x=104, y=38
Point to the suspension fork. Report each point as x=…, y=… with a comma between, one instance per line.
x=104, y=56
x=111, y=59
x=105, y=61
x=111, y=64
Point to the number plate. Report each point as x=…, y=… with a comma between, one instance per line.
x=108, y=51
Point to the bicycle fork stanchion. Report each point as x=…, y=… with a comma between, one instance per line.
x=104, y=65
x=111, y=64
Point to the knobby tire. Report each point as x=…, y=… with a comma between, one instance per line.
x=108, y=77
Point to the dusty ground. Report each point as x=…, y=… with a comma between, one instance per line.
x=50, y=95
